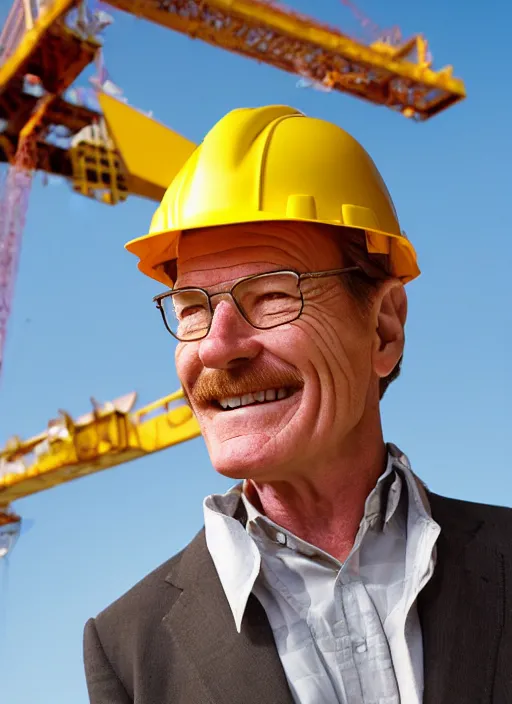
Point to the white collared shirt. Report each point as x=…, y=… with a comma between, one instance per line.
x=345, y=632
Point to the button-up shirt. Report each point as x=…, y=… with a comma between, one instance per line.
x=345, y=632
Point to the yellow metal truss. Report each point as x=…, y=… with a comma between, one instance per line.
x=398, y=77
x=108, y=436
x=50, y=48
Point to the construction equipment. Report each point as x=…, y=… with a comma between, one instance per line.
x=111, y=434
x=398, y=77
x=44, y=45
x=41, y=130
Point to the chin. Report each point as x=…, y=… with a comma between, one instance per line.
x=250, y=457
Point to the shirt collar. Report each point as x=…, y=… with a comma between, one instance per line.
x=235, y=554
x=380, y=507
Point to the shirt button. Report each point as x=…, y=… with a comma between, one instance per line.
x=281, y=538
x=361, y=648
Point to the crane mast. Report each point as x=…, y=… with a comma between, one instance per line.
x=13, y=207
x=42, y=57
x=60, y=55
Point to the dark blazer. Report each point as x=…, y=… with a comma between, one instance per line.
x=172, y=640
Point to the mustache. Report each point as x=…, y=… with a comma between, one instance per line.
x=215, y=384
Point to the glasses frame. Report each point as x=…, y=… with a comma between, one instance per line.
x=229, y=293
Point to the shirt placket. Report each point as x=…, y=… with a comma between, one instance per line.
x=347, y=617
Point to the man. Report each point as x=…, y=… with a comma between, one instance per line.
x=328, y=573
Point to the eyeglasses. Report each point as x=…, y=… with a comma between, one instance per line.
x=265, y=301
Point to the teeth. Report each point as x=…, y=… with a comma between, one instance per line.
x=256, y=397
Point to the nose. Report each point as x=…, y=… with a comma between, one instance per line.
x=231, y=340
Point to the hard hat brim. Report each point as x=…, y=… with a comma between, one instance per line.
x=156, y=248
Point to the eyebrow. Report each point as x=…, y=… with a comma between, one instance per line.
x=214, y=287
x=226, y=285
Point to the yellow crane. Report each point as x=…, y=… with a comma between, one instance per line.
x=43, y=54
x=111, y=434
x=399, y=77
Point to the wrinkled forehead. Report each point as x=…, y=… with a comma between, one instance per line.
x=245, y=249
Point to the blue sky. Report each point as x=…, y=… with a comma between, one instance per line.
x=83, y=322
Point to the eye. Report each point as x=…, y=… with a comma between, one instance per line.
x=191, y=310
x=272, y=296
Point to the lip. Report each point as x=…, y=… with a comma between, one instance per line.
x=261, y=421
x=267, y=406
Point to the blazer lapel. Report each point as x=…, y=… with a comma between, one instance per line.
x=234, y=667
x=461, y=610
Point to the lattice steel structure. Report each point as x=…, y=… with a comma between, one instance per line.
x=398, y=77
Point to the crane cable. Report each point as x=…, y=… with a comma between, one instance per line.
x=391, y=36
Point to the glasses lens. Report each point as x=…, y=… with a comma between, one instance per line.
x=270, y=300
x=187, y=313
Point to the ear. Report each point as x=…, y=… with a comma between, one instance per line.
x=390, y=309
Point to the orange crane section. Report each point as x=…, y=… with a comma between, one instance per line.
x=398, y=77
x=41, y=55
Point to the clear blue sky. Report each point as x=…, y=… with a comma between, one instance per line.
x=83, y=322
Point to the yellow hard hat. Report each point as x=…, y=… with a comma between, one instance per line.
x=272, y=164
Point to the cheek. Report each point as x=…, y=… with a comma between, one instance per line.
x=340, y=352
x=331, y=351
x=187, y=363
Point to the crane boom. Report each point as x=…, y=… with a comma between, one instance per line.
x=108, y=436
x=397, y=77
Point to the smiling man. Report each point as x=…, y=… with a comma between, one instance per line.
x=329, y=573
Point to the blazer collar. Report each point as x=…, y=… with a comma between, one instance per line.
x=233, y=666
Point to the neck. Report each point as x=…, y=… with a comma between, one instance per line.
x=324, y=504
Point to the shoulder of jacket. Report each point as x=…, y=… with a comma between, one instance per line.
x=484, y=512
x=492, y=524
x=142, y=606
